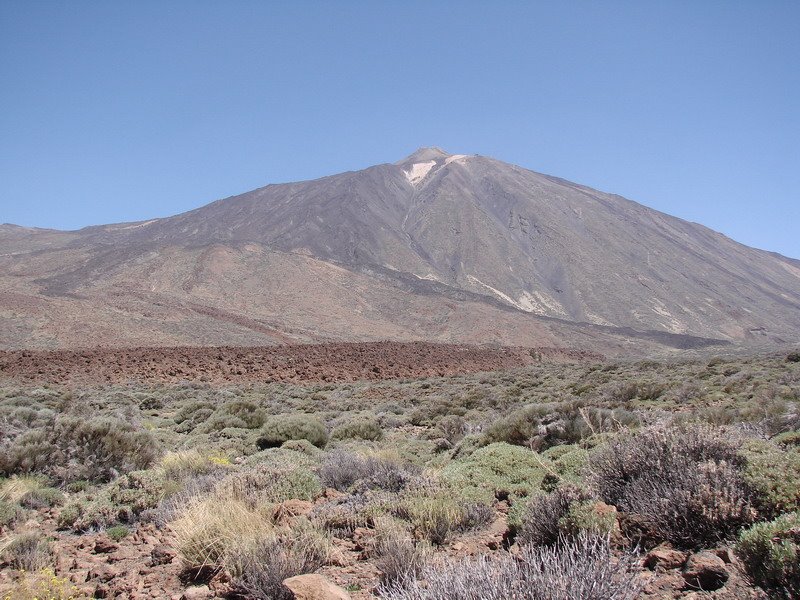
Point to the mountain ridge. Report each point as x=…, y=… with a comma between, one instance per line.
x=492, y=236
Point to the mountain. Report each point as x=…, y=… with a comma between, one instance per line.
x=437, y=247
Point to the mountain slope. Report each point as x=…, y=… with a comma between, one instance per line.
x=437, y=246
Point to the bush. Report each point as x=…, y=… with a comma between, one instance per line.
x=398, y=556
x=118, y=532
x=541, y=426
x=239, y=414
x=584, y=568
x=302, y=446
x=260, y=565
x=272, y=483
x=771, y=554
x=363, y=427
x=43, y=584
x=30, y=492
x=10, y=513
x=773, y=473
x=685, y=483
x=541, y=519
x=436, y=513
x=282, y=428
x=498, y=470
x=26, y=552
x=186, y=464
x=342, y=516
x=343, y=471
x=71, y=448
x=210, y=527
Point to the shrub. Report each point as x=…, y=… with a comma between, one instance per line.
x=341, y=516
x=541, y=426
x=260, y=565
x=771, y=554
x=210, y=527
x=117, y=532
x=398, y=556
x=793, y=357
x=541, y=519
x=272, y=483
x=498, y=470
x=582, y=569
x=342, y=470
x=302, y=446
x=10, y=513
x=187, y=464
x=72, y=448
x=435, y=513
x=240, y=414
x=282, y=428
x=43, y=584
x=773, y=473
x=26, y=551
x=684, y=482
x=363, y=427
x=30, y=492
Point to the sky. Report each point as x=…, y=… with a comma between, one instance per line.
x=121, y=111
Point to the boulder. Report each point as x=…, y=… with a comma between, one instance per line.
x=665, y=557
x=314, y=587
x=705, y=571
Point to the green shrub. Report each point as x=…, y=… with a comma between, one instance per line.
x=117, y=532
x=541, y=520
x=301, y=446
x=498, y=470
x=240, y=414
x=588, y=517
x=438, y=512
x=272, y=483
x=285, y=427
x=773, y=473
x=363, y=427
x=44, y=497
x=771, y=554
x=10, y=513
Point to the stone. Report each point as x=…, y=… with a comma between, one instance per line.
x=197, y=592
x=665, y=557
x=104, y=545
x=314, y=587
x=705, y=571
x=162, y=555
x=285, y=512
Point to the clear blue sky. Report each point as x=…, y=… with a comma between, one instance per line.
x=119, y=111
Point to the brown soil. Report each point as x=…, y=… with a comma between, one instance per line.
x=313, y=363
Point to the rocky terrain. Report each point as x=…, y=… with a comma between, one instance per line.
x=437, y=247
x=326, y=362
x=586, y=477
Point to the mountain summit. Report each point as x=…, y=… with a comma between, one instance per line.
x=438, y=246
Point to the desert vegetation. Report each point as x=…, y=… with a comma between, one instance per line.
x=588, y=480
